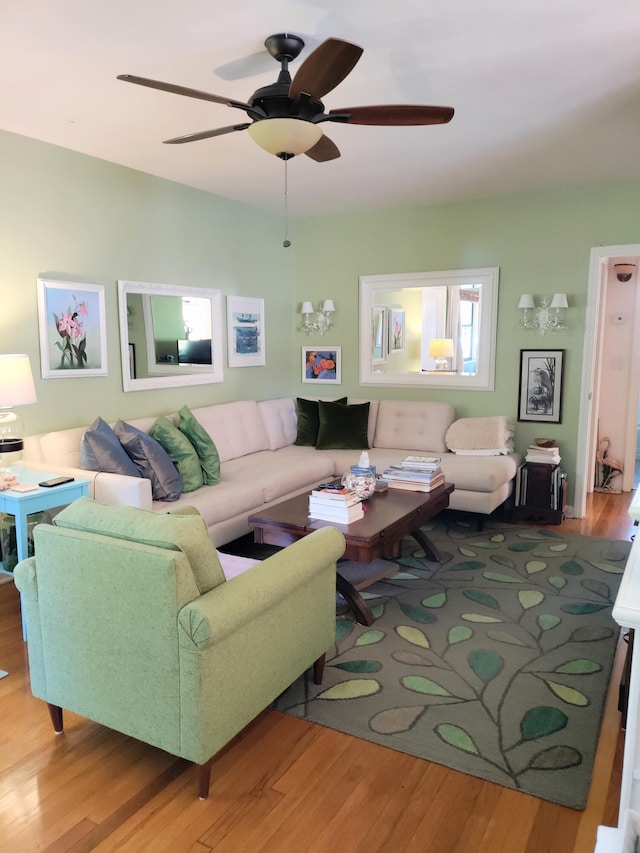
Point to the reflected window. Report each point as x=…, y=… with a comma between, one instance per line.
x=456, y=307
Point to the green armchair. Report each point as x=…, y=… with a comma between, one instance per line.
x=131, y=624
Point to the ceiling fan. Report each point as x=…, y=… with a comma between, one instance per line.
x=286, y=115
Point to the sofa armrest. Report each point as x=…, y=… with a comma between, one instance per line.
x=120, y=490
x=112, y=489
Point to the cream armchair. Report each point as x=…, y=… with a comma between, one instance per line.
x=131, y=624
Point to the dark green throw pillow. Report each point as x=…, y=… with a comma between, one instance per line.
x=181, y=451
x=309, y=421
x=343, y=427
x=203, y=443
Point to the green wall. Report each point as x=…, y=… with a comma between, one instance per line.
x=71, y=217
x=76, y=218
x=540, y=241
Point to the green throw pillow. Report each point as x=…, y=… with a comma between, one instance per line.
x=181, y=451
x=203, y=443
x=343, y=427
x=309, y=421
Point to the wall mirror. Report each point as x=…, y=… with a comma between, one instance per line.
x=169, y=335
x=435, y=329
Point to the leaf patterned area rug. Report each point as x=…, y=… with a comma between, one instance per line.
x=495, y=662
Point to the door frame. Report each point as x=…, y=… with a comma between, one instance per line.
x=593, y=335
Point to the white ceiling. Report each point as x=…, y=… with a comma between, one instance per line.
x=546, y=92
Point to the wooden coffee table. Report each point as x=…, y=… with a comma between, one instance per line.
x=389, y=517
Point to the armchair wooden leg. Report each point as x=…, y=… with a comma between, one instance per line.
x=204, y=779
x=55, y=712
x=318, y=669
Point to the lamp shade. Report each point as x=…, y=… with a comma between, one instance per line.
x=526, y=301
x=328, y=306
x=559, y=300
x=16, y=381
x=285, y=135
x=441, y=348
x=307, y=308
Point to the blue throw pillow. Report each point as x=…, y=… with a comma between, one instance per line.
x=100, y=450
x=152, y=461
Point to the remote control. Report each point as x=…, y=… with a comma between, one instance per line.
x=56, y=481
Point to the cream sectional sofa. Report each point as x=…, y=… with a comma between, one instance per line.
x=261, y=465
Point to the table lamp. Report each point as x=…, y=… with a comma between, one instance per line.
x=441, y=349
x=16, y=389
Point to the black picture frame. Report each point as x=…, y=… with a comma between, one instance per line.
x=541, y=381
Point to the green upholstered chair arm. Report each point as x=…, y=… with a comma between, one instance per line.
x=226, y=609
x=246, y=641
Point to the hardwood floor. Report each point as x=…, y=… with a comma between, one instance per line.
x=283, y=786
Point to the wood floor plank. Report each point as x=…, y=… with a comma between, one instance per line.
x=283, y=786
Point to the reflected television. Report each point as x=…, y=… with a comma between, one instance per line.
x=195, y=352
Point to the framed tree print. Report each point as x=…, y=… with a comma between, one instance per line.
x=540, y=397
x=245, y=331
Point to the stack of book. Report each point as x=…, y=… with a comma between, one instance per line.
x=545, y=455
x=341, y=506
x=416, y=473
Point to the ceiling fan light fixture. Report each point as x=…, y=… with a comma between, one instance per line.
x=285, y=135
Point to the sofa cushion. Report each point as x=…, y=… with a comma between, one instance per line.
x=342, y=426
x=236, y=428
x=100, y=450
x=282, y=474
x=279, y=418
x=181, y=451
x=186, y=533
x=205, y=448
x=309, y=421
x=414, y=424
x=152, y=461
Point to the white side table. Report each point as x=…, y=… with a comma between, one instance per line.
x=22, y=504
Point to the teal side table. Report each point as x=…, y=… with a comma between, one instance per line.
x=22, y=504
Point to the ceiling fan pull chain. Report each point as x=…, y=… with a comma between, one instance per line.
x=286, y=242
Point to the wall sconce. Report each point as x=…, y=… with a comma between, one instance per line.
x=442, y=350
x=543, y=320
x=322, y=321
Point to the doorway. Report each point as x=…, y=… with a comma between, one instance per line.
x=602, y=325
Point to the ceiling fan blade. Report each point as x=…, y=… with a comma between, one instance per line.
x=323, y=150
x=206, y=134
x=182, y=90
x=393, y=114
x=323, y=69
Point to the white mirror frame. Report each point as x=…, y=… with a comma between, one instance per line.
x=483, y=380
x=175, y=376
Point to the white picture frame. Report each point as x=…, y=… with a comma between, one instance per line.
x=72, y=327
x=322, y=365
x=245, y=331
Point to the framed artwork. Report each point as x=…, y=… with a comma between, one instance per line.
x=379, y=334
x=245, y=331
x=132, y=361
x=396, y=329
x=322, y=365
x=540, y=396
x=73, y=336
